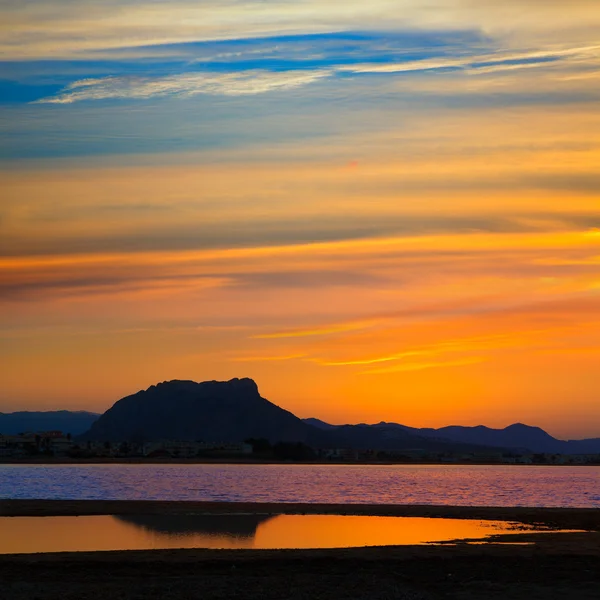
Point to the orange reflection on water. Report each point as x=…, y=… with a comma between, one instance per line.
x=147, y=532
x=335, y=531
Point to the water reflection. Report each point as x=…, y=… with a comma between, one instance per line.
x=234, y=526
x=147, y=532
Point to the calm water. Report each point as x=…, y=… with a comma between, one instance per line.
x=386, y=484
x=150, y=532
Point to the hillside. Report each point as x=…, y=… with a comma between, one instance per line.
x=515, y=437
x=73, y=422
x=227, y=411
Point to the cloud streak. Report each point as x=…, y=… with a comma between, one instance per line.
x=261, y=81
x=319, y=331
x=261, y=358
x=186, y=85
x=421, y=366
x=62, y=28
x=375, y=360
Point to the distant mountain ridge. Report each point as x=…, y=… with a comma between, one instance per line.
x=517, y=436
x=233, y=411
x=73, y=422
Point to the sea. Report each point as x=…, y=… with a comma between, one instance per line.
x=459, y=485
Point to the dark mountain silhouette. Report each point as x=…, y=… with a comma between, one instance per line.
x=233, y=411
x=516, y=437
x=513, y=436
x=73, y=422
x=319, y=424
x=366, y=437
x=224, y=411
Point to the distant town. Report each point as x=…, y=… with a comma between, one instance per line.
x=56, y=446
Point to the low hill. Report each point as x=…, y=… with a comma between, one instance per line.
x=320, y=424
x=73, y=422
x=514, y=437
x=366, y=437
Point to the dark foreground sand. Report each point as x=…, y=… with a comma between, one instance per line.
x=556, y=566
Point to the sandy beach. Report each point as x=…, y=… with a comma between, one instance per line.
x=551, y=564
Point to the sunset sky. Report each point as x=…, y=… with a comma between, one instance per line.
x=384, y=210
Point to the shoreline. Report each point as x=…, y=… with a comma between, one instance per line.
x=258, y=461
x=565, y=518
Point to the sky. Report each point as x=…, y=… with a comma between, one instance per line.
x=384, y=210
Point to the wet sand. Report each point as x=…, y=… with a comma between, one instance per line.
x=554, y=565
x=565, y=518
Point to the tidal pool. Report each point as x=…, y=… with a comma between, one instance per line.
x=152, y=532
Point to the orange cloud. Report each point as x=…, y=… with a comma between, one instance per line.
x=267, y=358
x=425, y=365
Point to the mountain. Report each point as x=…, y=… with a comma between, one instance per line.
x=225, y=411
x=232, y=411
x=320, y=424
x=367, y=437
x=73, y=422
x=515, y=437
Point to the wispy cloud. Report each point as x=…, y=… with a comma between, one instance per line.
x=38, y=28
x=374, y=360
x=323, y=330
x=420, y=366
x=443, y=347
x=236, y=82
x=189, y=84
x=477, y=62
x=274, y=358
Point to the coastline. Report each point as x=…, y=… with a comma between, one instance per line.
x=258, y=461
x=565, y=518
